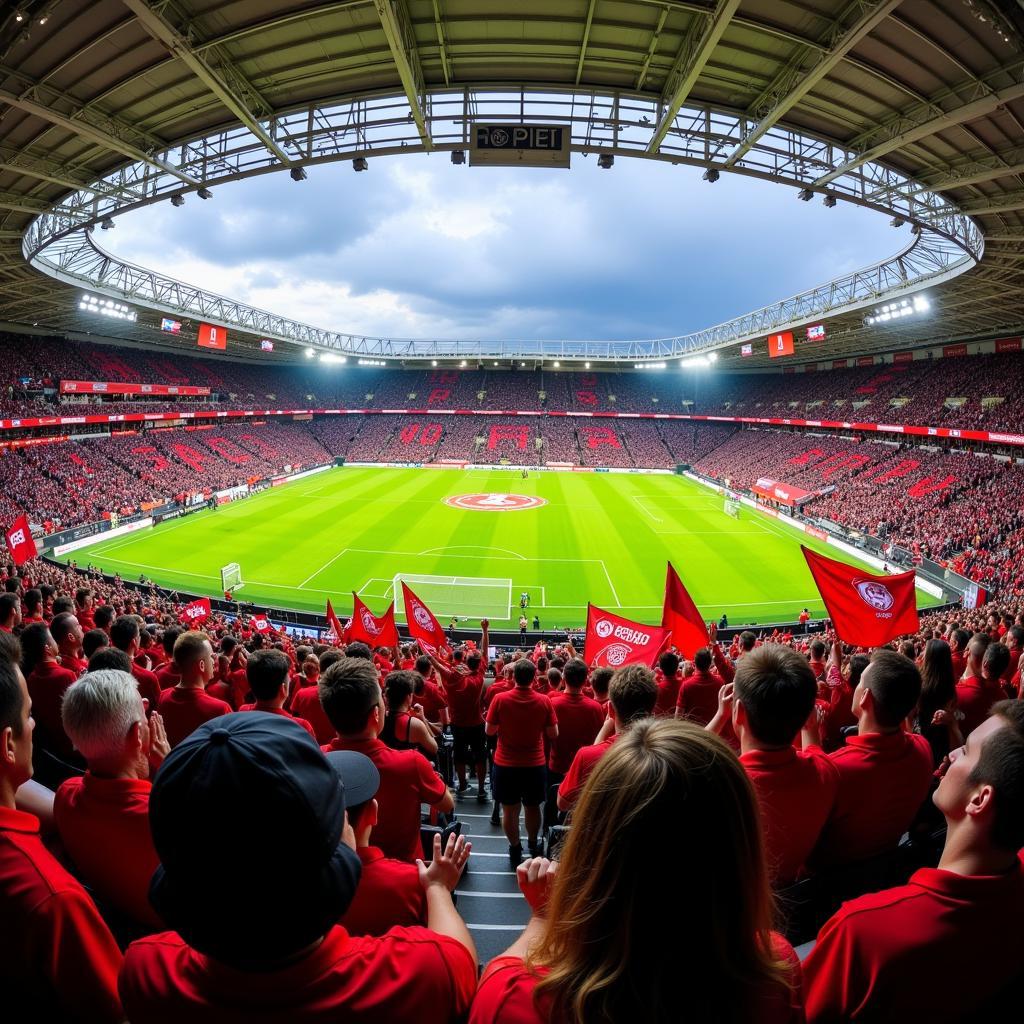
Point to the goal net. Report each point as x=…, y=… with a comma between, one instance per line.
x=231, y=577
x=472, y=597
x=732, y=508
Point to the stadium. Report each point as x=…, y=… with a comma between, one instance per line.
x=450, y=631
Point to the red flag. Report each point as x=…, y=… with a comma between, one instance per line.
x=261, y=624
x=19, y=540
x=680, y=615
x=365, y=626
x=423, y=626
x=196, y=613
x=332, y=621
x=613, y=641
x=865, y=610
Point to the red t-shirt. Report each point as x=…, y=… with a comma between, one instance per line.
x=795, y=791
x=149, y=685
x=521, y=715
x=76, y=665
x=698, y=697
x=410, y=974
x=932, y=950
x=284, y=714
x=58, y=959
x=668, y=693
x=407, y=779
x=104, y=825
x=974, y=699
x=306, y=704
x=85, y=618
x=47, y=684
x=959, y=666
x=498, y=686
x=582, y=765
x=883, y=780
x=389, y=894
x=579, y=721
x=184, y=710
x=505, y=994
x=168, y=675
x=433, y=700
x=463, y=691
x=239, y=683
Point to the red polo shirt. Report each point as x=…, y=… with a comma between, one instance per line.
x=76, y=665
x=795, y=791
x=306, y=704
x=506, y=991
x=47, y=684
x=974, y=699
x=58, y=959
x=698, y=697
x=149, y=685
x=104, y=825
x=168, y=675
x=668, y=693
x=409, y=974
x=499, y=685
x=883, y=780
x=407, y=779
x=579, y=721
x=932, y=950
x=521, y=715
x=959, y=666
x=284, y=714
x=464, y=691
x=433, y=700
x=582, y=765
x=389, y=894
x=184, y=710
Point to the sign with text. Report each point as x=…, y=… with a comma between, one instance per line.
x=517, y=145
x=212, y=336
x=780, y=344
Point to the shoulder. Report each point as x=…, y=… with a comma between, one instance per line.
x=42, y=880
x=821, y=761
x=505, y=993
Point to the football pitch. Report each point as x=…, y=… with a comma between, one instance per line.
x=584, y=536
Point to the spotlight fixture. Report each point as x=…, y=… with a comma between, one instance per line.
x=463, y=363
x=805, y=195
x=605, y=160
x=649, y=366
x=897, y=310
x=696, y=361
x=829, y=201
x=106, y=223
x=177, y=199
x=586, y=366
x=556, y=364
x=204, y=193
x=711, y=175
x=897, y=222
x=298, y=174
x=433, y=362
x=372, y=362
x=310, y=353
x=360, y=164
x=19, y=15
x=458, y=156
x=330, y=357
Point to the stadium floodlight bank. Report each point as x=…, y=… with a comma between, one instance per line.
x=231, y=577
x=471, y=597
x=732, y=508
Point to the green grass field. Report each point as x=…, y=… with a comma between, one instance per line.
x=600, y=537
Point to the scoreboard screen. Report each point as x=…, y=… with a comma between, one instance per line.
x=780, y=344
x=519, y=145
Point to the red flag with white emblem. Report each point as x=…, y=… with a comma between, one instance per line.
x=365, y=626
x=613, y=641
x=423, y=626
x=196, y=612
x=19, y=540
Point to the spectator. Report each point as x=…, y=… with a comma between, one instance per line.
x=579, y=721
x=110, y=658
x=168, y=672
x=404, y=725
x=306, y=702
x=936, y=717
x=58, y=960
x=259, y=783
x=93, y=640
x=47, y=681
x=10, y=612
x=103, y=816
x=103, y=618
x=959, y=641
x=981, y=687
x=84, y=603
x=124, y=635
x=266, y=674
x=698, y=692
x=669, y=680
x=941, y=947
x=67, y=634
x=593, y=950
x=352, y=698
x=521, y=718
x=187, y=705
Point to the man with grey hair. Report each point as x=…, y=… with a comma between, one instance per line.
x=103, y=816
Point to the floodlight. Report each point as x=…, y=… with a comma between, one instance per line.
x=463, y=363
x=458, y=156
x=204, y=193
x=897, y=222
x=711, y=175
x=555, y=364
x=805, y=195
x=586, y=366
x=829, y=201
x=106, y=223
x=359, y=164
x=310, y=352
x=605, y=160
x=177, y=199
x=712, y=356
x=298, y=174
x=433, y=362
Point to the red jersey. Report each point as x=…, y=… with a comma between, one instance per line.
x=407, y=779
x=959, y=666
x=579, y=721
x=698, y=697
x=149, y=685
x=499, y=685
x=889, y=955
x=168, y=675
x=883, y=780
x=974, y=699
x=47, y=684
x=795, y=791
x=389, y=894
x=77, y=665
x=58, y=959
x=306, y=704
x=668, y=693
x=433, y=700
x=185, y=709
x=582, y=765
x=104, y=825
x=464, y=692
x=284, y=714
x=521, y=715
x=408, y=974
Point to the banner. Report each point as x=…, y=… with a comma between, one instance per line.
x=365, y=626
x=776, y=490
x=681, y=616
x=866, y=610
x=19, y=540
x=423, y=626
x=333, y=623
x=261, y=624
x=212, y=336
x=102, y=387
x=613, y=641
x=196, y=613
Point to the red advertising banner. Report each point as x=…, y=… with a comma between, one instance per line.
x=840, y=364
x=103, y=387
x=776, y=490
x=780, y=344
x=903, y=357
x=212, y=336
x=954, y=350
x=865, y=360
x=1008, y=344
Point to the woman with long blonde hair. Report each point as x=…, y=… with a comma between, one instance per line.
x=660, y=908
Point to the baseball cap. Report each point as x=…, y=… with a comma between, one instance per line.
x=358, y=775
x=246, y=815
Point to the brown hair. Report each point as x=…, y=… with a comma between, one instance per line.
x=633, y=692
x=188, y=648
x=669, y=800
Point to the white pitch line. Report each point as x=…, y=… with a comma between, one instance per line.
x=609, y=579
x=321, y=569
x=471, y=547
x=639, y=499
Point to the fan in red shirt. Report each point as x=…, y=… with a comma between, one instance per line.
x=697, y=699
x=58, y=960
x=67, y=634
x=632, y=695
x=884, y=772
x=306, y=702
x=267, y=676
x=186, y=706
x=669, y=679
x=254, y=791
x=948, y=945
x=981, y=687
x=47, y=682
x=579, y=721
x=595, y=941
x=167, y=674
x=351, y=696
x=124, y=635
x=959, y=641
x=103, y=816
x=431, y=697
x=521, y=718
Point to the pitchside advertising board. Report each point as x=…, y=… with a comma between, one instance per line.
x=519, y=145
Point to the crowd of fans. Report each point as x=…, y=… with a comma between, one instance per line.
x=226, y=823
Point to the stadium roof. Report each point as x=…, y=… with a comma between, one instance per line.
x=912, y=107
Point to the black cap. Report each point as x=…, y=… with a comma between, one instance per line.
x=246, y=815
x=358, y=775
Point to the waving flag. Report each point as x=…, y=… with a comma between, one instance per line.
x=196, y=613
x=680, y=615
x=613, y=641
x=261, y=624
x=866, y=610
x=423, y=626
x=19, y=540
x=332, y=621
x=365, y=626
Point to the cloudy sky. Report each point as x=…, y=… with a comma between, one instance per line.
x=416, y=247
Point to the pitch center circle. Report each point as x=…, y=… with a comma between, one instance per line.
x=494, y=502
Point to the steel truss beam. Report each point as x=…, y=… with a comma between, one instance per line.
x=401, y=37
x=1006, y=203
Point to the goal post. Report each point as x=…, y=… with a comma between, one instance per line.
x=231, y=577
x=471, y=597
x=732, y=508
